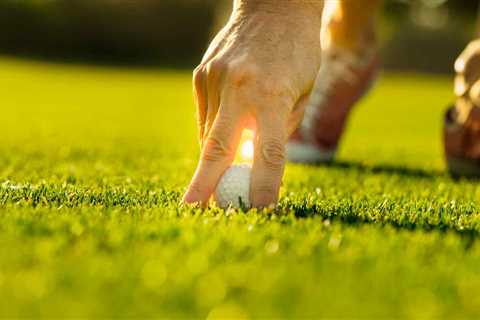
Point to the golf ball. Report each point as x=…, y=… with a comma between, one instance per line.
x=233, y=190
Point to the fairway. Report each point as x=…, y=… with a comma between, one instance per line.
x=93, y=164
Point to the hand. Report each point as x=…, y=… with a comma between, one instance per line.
x=257, y=73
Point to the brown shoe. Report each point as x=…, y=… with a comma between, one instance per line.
x=342, y=81
x=462, y=121
x=462, y=142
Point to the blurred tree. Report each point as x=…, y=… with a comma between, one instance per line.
x=428, y=34
x=176, y=32
x=140, y=31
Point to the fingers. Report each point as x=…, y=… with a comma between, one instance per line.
x=217, y=155
x=269, y=157
x=200, y=97
x=214, y=71
x=221, y=125
x=296, y=115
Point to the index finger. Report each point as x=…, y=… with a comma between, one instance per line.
x=217, y=155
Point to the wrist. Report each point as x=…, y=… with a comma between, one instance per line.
x=314, y=7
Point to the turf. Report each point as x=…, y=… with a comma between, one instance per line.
x=93, y=162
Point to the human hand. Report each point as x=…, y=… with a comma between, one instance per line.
x=257, y=73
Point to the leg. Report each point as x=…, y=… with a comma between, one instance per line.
x=351, y=23
x=462, y=121
x=349, y=66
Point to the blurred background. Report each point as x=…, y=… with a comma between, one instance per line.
x=417, y=35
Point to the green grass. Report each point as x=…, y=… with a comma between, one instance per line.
x=93, y=162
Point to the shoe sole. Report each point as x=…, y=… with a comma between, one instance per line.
x=308, y=154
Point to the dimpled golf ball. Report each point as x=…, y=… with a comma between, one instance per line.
x=233, y=190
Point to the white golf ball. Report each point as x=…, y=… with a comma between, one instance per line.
x=233, y=190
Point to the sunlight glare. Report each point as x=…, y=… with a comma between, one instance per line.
x=247, y=150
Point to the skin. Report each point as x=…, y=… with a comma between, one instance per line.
x=352, y=24
x=257, y=73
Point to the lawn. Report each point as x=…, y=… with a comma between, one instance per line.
x=93, y=163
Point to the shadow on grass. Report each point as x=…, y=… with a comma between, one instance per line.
x=401, y=171
x=387, y=169
x=390, y=215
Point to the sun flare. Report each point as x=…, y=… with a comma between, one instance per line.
x=247, y=150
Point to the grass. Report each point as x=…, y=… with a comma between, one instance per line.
x=93, y=162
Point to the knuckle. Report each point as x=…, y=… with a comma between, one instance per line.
x=215, y=67
x=264, y=190
x=197, y=189
x=250, y=75
x=242, y=74
x=273, y=89
x=216, y=150
x=198, y=76
x=276, y=94
x=273, y=153
x=223, y=124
